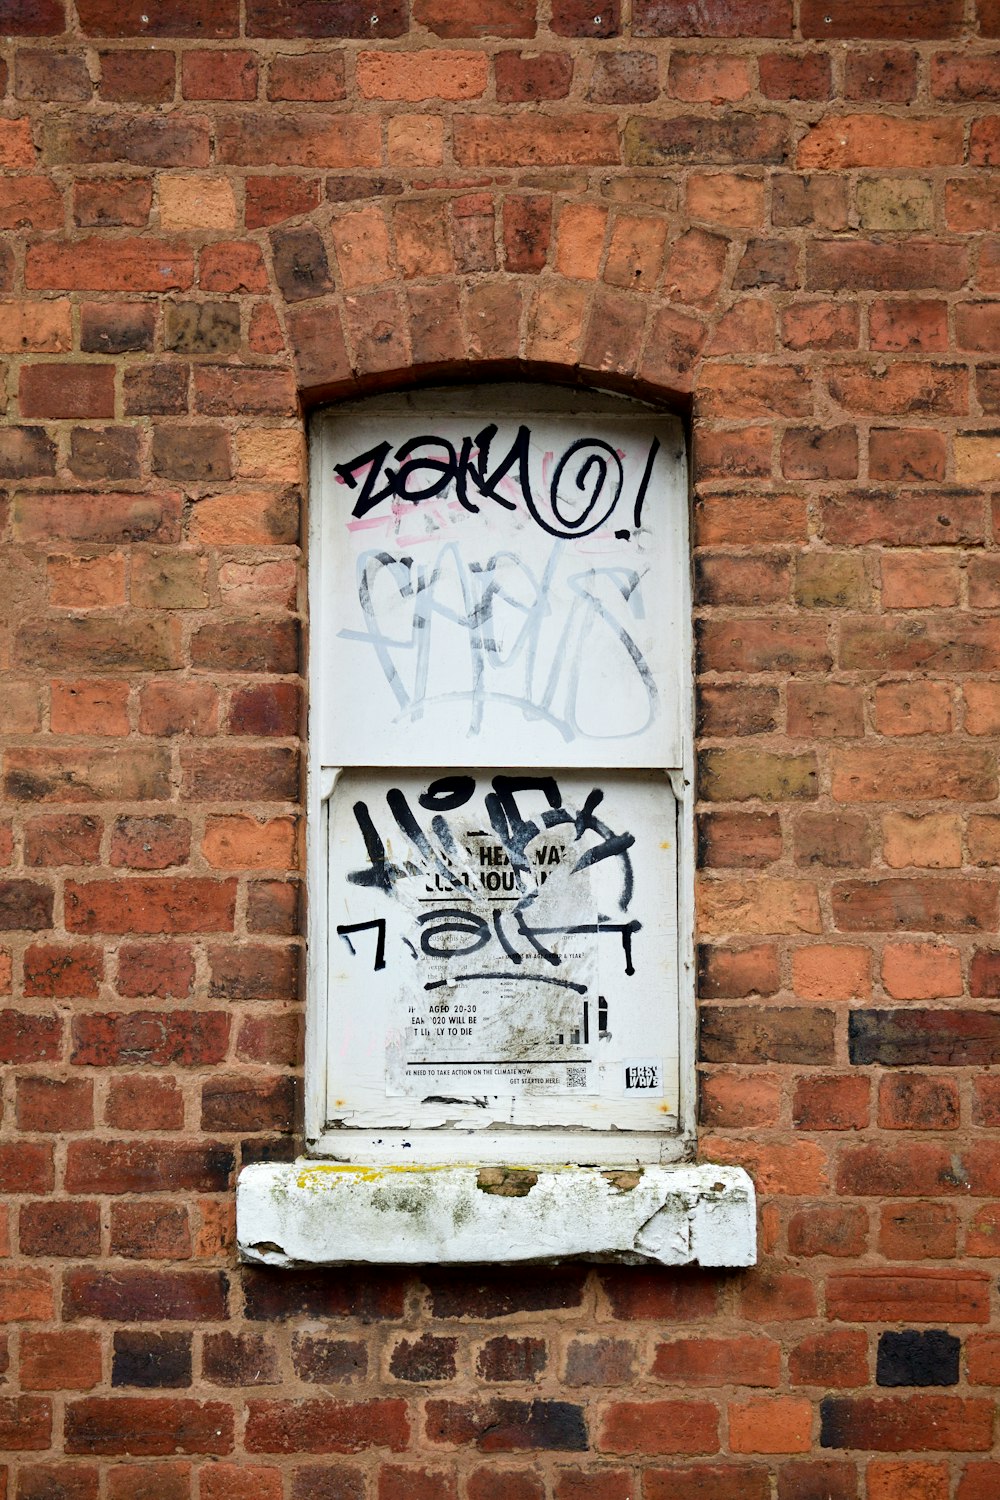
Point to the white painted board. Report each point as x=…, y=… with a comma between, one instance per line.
x=501, y=585
x=500, y=683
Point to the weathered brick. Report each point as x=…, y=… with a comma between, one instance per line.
x=885, y=74
x=80, y=516
x=689, y=1426
x=915, y=905
x=836, y=19
x=326, y=1426
x=879, y=141
x=872, y=265
x=831, y=1103
x=300, y=140
x=148, y=906
x=151, y=1360
x=834, y=1359
x=68, y=1228
x=913, y=1037
x=147, y=1426
x=919, y=1423
x=150, y=1231
x=140, y=1167
x=732, y=137
x=151, y=1038
x=785, y=1034
x=717, y=18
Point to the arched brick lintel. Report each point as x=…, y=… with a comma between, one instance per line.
x=346, y=347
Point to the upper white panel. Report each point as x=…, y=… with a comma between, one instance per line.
x=500, y=588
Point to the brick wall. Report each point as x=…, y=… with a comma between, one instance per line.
x=778, y=215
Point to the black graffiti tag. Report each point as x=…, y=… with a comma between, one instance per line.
x=581, y=496
x=455, y=931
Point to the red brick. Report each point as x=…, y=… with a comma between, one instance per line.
x=108, y=1166
x=843, y=141
x=820, y=453
x=105, y=202
x=144, y=1103
x=150, y=1231
x=778, y=1297
x=37, y=18
x=824, y=710
x=25, y=1295
x=151, y=1038
x=476, y=18
x=921, y=971
x=29, y=1038
x=798, y=1168
x=730, y=1101
x=147, y=1426
x=660, y=1427
x=906, y=454
x=218, y=75
x=718, y=1361
x=164, y=970
x=833, y=1230
x=482, y=141
x=149, y=1481
x=902, y=1295
x=910, y=773
x=25, y=906
x=833, y=1103
x=58, y=971
x=763, y=645
x=54, y=390
x=775, y=1424
x=739, y=840
x=67, y=1228
x=735, y=973
x=716, y=18
x=915, y=1101
x=522, y=77
x=804, y=75
x=871, y=265
x=708, y=1482
x=137, y=76
x=326, y=1426
x=72, y=1481
x=148, y=906
x=885, y=74
x=897, y=20
x=918, y=1231
x=144, y=1296
x=593, y=1484
x=55, y=1104
x=96, y=264
x=30, y=203
x=730, y=519
x=820, y=325
x=918, y=1423
x=837, y=1359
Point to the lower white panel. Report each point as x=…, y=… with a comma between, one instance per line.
x=325, y=1213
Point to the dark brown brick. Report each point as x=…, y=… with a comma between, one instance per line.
x=134, y=1296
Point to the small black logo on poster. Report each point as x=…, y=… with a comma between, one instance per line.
x=642, y=1076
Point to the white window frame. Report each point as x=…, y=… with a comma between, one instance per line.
x=510, y=1144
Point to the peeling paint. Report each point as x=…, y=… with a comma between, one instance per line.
x=327, y=1213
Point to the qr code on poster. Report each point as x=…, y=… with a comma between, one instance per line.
x=644, y=1076
x=576, y=1078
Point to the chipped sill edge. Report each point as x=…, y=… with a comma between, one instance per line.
x=314, y=1212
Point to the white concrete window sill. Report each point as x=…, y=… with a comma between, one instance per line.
x=325, y=1213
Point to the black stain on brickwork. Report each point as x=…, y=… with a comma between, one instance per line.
x=917, y=1357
